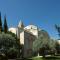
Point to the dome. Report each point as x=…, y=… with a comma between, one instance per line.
x=31, y=27
x=13, y=30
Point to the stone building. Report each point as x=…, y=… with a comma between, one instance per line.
x=27, y=35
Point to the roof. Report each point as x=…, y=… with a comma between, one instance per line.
x=31, y=27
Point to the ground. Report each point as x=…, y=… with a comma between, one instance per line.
x=37, y=58
x=41, y=58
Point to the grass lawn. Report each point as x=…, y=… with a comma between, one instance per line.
x=36, y=58
x=41, y=58
x=46, y=58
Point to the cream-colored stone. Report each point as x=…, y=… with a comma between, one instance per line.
x=13, y=30
x=22, y=38
x=58, y=41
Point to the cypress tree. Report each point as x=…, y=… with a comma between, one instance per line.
x=0, y=23
x=5, y=25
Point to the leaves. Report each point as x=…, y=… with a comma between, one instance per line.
x=43, y=41
x=8, y=43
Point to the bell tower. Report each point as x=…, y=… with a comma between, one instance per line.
x=20, y=28
x=21, y=25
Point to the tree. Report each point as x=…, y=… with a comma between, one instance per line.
x=8, y=45
x=52, y=44
x=5, y=25
x=41, y=42
x=44, y=44
x=0, y=23
x=57, y=43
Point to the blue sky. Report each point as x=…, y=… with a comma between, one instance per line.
x=43, y=13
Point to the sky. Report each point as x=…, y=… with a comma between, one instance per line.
x=42, y=13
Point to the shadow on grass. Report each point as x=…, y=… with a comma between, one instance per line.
x=51, y=58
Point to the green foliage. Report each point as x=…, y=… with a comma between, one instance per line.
x=12, y=34
x=44, y=45
x=52, y=43
x=42, y=41
x=8, y=45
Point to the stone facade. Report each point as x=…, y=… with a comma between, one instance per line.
x=27, y=40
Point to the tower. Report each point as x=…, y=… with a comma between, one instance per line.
x=21, y=25
x=20, y=28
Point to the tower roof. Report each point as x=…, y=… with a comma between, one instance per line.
x=21, y=25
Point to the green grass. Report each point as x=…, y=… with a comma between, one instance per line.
x=41, y=58
x=36, y=58
x=46, y=58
